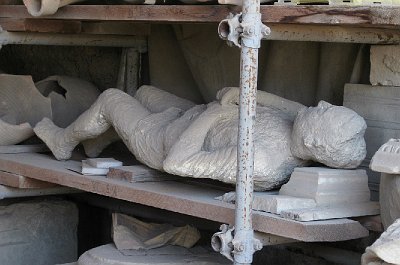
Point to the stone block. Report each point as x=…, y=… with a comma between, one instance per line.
x=109, y=255
x=328, y=186
x=103, y=162
x=385, y=65
x=333, y=212
x=39, y=233
x=379, y=106
x=278, y=203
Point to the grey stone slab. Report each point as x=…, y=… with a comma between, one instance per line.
x=385, y=65
x=333, y=212
x=328, y=186
x=379, y=106
x=169, y=255
x=103, y=162
x=39, y=233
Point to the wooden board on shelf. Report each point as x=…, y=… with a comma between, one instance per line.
x=177, y=197
x=377, y=16
x=18, y=181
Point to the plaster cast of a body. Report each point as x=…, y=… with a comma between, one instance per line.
x=172, y=134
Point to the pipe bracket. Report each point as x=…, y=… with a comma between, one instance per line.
x=240, y=30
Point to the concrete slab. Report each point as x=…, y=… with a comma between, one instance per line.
x=332, y=212
x=328, y=186
x=385, y=65
x=103, y=162
x=169, y=255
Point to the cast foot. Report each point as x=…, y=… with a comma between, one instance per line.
x=53, y=138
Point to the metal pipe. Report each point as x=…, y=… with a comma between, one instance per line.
x=243, y=241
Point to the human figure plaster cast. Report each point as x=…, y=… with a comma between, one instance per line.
x=174, y=135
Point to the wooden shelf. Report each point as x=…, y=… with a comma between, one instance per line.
x=185, y=198
x=310, y=14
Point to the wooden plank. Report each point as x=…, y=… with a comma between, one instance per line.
x=379, y=16
x=177, y=197
x=18, y=181
x=40, y=25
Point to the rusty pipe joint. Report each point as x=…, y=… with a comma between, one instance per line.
x=241, y=30
x=222, y=241
x=245, y=244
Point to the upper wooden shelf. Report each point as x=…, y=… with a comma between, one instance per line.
x=376, y=16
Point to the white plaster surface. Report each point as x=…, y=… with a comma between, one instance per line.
x=328, y=186
x=278, y=203
x=332, y=135
x=173, y=135
x=169, y=255
x=385, y=65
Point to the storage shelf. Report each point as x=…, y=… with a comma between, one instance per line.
x=185, y=198
x=376, y=16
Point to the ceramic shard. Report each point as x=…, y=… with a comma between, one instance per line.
x=20, y=100
x=131, y=233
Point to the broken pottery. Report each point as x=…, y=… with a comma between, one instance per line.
x=22, y=106
x=69, y=97
x=174, y=135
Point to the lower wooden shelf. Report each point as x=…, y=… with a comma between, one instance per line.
x=181, y=197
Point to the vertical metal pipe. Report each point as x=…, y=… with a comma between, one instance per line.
x=243, y=252
x=244, y=182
